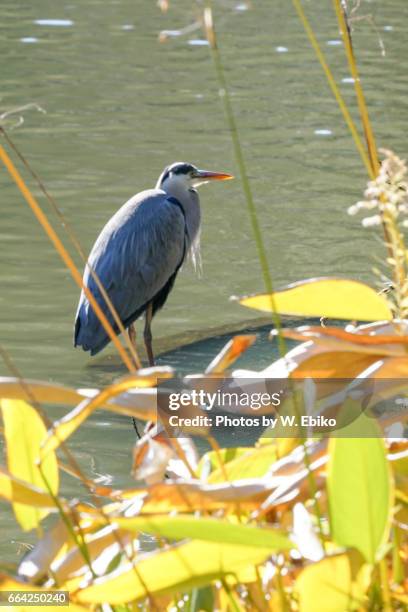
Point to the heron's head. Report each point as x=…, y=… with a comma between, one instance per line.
x=181, y=175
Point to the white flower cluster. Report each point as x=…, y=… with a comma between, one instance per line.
x=387, y=194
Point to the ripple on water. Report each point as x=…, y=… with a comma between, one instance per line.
x=60, y=23
x=198, y=42
x=323, y=132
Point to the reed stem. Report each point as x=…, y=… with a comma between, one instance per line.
x=75, y=242
x=239, y=156
x=52, y=235
x=333, y=86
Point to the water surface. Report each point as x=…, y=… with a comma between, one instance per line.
x=120, y=106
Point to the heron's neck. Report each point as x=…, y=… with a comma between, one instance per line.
x=190, y=202
x=176, y=186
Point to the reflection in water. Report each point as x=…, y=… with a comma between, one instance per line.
x=323, y=132
x=198, y=42
x=64, y=23
x=244, y=6
x=120, y=106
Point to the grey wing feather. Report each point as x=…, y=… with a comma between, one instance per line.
x=136, y=254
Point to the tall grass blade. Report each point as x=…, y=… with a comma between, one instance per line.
x=348, y=45
x=341, y=15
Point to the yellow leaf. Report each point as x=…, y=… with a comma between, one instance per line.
x=36, y=391
x=14, y=490
x=69, y=423
x=24, y=432
x=254, y=463
x=213, y=460
x=41, y=392
x=324, y=297
x=335, y=584
x=176, y=568
x=401, y=598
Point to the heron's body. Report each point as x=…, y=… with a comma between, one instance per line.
x=139, y=252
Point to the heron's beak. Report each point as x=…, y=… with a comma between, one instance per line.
x=213, y=176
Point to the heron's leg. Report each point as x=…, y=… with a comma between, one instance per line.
x=132, y=338
x=132, y=334
x=147, y=335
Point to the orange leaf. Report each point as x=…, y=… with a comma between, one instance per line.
x=334, y=364
x=230, y=353
x=310, y=332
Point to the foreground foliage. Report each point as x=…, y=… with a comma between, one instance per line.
x=263, y=527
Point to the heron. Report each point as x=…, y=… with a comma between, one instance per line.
x=139, y=253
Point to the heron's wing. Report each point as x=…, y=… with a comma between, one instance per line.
x=137, y=253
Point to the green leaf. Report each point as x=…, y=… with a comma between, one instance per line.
x=207, y=529
x=360, y=488
x=335, y=298
x=201, y=600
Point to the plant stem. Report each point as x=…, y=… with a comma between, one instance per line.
x=391, y=239
x=333, y=85
x=384, y=586
x=348, y=45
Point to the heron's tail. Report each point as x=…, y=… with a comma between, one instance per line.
x=88, y=331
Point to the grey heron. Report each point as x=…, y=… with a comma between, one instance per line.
x=139, y=252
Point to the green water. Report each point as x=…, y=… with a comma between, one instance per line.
x=119, y=107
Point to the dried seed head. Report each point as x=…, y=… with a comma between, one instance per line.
x=371, y=221
x=388, y=192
